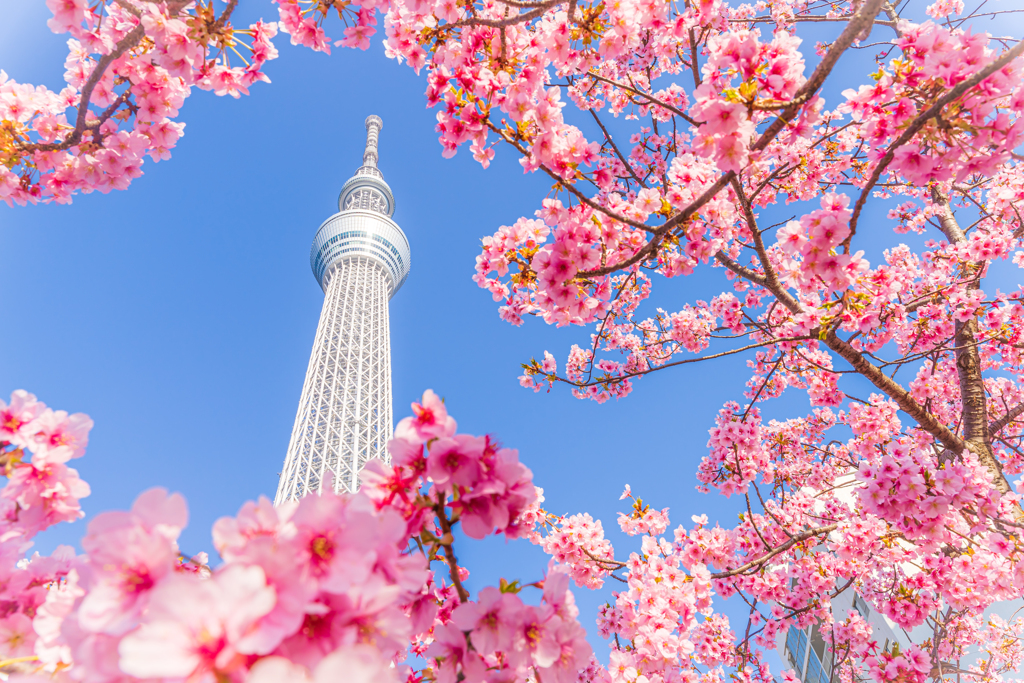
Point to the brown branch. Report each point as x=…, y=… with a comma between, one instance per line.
x=128, y=42
x=128, y=7
x=693, y=59
x=799, y=538
x=973, y=398
x=996, y=426
x=811, y=18
x=508, y=21
x=743, y=271
x=685, y=361
x=860, y=364
x=615, y=148
x=771, y=279
x=222, y=20
x=894, y=18
x=914, y=305
x=449, y=553
x=525, y=4
x=583, y=199
x=650, y=98
x=917, y=124
x=897, y=393
x=615, y=563
x=859, y=24
x=662, y=231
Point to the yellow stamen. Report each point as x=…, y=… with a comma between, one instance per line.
x=18, y=660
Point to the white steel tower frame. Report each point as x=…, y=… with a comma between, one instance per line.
x=361, y=258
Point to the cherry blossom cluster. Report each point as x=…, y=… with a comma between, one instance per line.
x=325, y=586
x=739, y=69
x=578, y=544
x=36, y=442
x=938, y=56
x=499, y=638
x=814, y=239
x=905, y=486
x=488, y=485
x=736, y=454
x=131, y=64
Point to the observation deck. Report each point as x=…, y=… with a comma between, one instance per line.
x=363, y=224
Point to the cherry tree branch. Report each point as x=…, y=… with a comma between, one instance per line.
x=917, y=124
x=996, y=426
x=771, y=278
x=761, y=561
x=685, y=361
x=893, y=390
x=860, y=24
x=973, y=397
x=132, y=39
x=222, y=20
x=810, y=18
x=447, y=539
x=924, y=418
x=541, y=8
x=583, y=199
x=615, y=148
x=650, y=98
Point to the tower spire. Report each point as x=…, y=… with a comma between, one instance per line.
x=366, y=190
x=373, y=126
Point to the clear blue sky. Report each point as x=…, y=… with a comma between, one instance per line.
x=180, y=314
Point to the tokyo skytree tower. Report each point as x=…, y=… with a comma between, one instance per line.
x=361, y=258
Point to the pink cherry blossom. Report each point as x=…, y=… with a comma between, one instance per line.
x=430, y=420
x=130, y=554
x=58, y=437
x=199, y=629
x=16, y=417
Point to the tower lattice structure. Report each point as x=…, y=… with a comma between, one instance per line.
x=361, y=258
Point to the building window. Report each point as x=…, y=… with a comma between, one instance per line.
x=861, y=605
x=796, y=646
x=809, y=656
